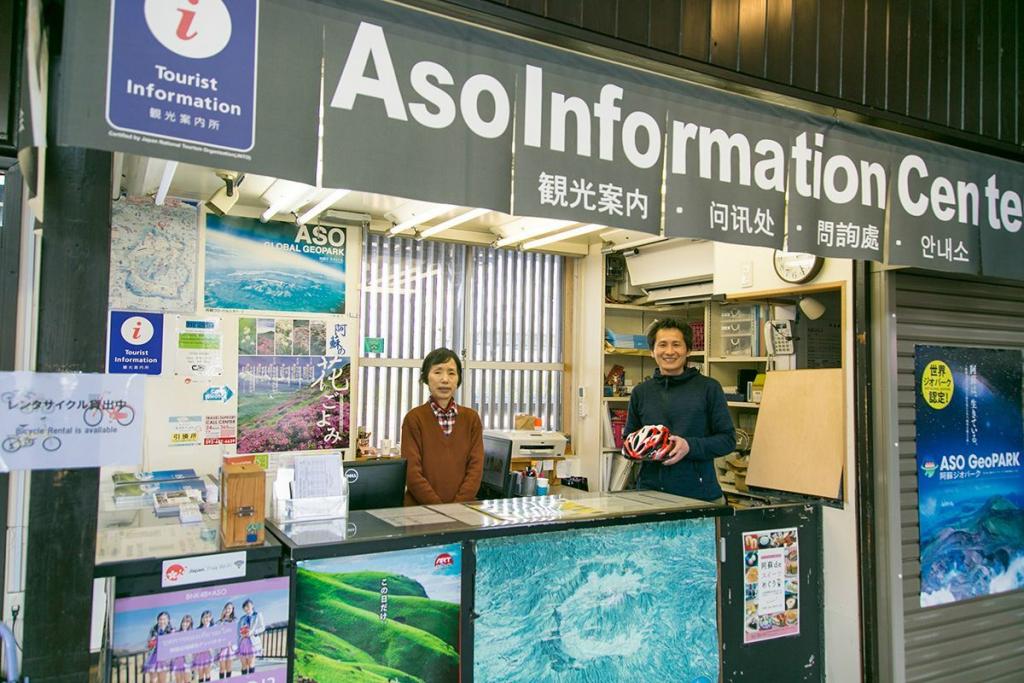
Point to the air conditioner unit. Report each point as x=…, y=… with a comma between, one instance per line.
x=673, y=272
x=677, y=294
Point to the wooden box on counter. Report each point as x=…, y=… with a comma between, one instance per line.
x=242, y=504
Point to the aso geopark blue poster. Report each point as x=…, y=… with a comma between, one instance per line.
x=969, y=474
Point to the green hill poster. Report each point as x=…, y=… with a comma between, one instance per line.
x=381, y=618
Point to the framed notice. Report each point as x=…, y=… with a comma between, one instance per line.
x=771, y=584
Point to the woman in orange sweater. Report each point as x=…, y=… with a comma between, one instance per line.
x=442, y=441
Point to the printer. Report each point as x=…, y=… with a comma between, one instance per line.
x=501, y=446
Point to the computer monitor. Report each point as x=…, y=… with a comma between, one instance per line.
x=375, y=484
x=496, y=481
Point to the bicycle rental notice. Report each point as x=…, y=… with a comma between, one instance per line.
x=62, y=420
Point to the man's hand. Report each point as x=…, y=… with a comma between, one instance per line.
x=679, y=450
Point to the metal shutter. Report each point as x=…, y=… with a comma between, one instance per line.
x=977, y=640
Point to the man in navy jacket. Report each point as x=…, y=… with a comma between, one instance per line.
x=692, y=406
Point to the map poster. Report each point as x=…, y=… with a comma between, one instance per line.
x=199, y=347
x=771, y=584
x=153, y=255
x=254, y=266
x=970, y=481
x=391, y=616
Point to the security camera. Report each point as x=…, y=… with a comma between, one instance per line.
x=225, y=197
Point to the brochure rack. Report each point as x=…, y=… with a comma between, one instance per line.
x=287, y=509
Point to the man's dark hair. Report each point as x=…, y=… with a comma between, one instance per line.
x=439, y=357
x=670, y=324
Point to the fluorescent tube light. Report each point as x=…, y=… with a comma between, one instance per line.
x=533, y=231
x=452, y=222
x=421, y=217
x=321, y=206
x=165, y=182
x=568, y=234
x=288, y=201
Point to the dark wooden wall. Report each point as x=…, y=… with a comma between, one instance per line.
x=951, y=66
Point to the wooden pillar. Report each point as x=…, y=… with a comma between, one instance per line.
x=73, y=277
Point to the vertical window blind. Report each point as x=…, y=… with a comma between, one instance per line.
x=500, y=310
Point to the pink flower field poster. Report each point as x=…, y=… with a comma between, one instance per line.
x=292, y=403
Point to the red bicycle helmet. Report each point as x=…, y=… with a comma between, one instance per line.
x=651, y=442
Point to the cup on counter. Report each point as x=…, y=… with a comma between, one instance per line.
x=542, y=486
x=529, y=486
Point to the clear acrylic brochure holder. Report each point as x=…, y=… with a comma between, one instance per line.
x=287, y=509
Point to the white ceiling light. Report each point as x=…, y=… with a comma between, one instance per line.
x=568, y=234
x=321, y=206
x=420, y=217
x=165, y=182
x=533, y=229
x=452, y=222
x=284, y=196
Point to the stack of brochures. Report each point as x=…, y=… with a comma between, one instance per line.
x=138, y=489
x=168, y=504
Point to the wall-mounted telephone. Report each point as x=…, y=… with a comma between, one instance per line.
x=779, y=335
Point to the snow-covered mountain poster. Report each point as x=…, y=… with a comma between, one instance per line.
x=969, y=474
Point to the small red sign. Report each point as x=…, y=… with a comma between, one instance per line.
x=174, y=572
x=444, y=560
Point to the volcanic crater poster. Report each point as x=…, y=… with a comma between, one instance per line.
x=969, y=474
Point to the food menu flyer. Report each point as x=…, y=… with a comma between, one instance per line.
x=771, y=584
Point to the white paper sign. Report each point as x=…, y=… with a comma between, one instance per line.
x=186, y=570
x=199, y=348
x=64, y=420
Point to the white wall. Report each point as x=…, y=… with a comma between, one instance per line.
x=588, y=363
x=842, y=616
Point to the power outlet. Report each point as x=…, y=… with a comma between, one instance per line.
x=14, y=612
x=747, y=274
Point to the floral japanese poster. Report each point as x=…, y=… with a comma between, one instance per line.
x=293, y=385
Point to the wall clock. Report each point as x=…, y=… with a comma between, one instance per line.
x=796, y=267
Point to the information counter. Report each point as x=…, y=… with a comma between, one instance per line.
x=158, y=580
x=598, y=587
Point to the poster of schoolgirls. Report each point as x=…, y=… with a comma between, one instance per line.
x=201, y=634
x=771, y=584
x=293, y=384
x=274, y=266
x=390, y=616
x=970, y=482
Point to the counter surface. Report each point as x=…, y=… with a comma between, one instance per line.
x=134, y=540
x=370, y=531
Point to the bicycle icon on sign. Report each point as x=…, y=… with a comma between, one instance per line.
x=24, y=437
x=122, y=414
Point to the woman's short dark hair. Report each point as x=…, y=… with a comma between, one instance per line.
x=439, y=357
x=670, y=324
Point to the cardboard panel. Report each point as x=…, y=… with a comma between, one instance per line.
x=799, y=444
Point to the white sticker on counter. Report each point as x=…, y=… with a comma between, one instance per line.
x=187, y=570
